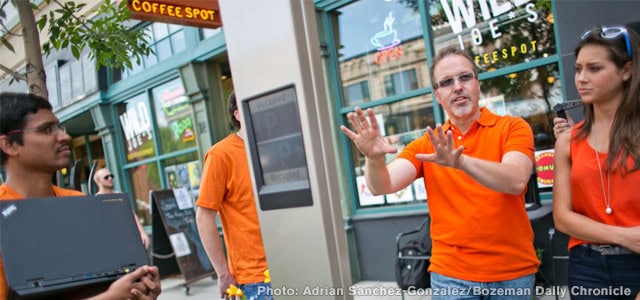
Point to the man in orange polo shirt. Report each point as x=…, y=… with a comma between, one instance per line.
x=33, y=145
x=226, y=190
x=475, y=167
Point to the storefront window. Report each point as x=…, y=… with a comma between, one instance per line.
x=90, y=81
x=497, y=33
x=381, y=45
x=173, y=117
x=65, y=84
x=144, y=178
x=403, y=122
x=400, y=83
x=173, y=137
x=52, y=85
x=531, y=94
x=206, y=33
x=357, y=93
x=165, y=40
x=135, y=120
x=183, y=172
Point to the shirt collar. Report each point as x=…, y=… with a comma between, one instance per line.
x=487, y=119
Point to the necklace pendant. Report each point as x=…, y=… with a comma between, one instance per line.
x=608, y=210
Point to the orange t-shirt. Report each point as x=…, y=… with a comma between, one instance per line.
x=7, y=193
x=586, y=189
x=478, y=234
x=226, y=188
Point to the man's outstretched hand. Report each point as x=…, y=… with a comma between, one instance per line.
x=367, y=137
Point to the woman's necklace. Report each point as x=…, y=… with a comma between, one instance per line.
x=605, y=195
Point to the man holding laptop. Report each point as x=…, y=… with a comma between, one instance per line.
x=33, y=145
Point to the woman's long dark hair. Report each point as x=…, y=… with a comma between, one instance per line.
x=625, y=131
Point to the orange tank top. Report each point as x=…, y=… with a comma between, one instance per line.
x=587, y=187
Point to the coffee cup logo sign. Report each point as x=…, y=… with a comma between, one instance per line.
x=387, y=42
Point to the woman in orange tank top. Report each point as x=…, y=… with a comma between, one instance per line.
x=597, y=166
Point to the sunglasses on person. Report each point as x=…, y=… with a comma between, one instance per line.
x=448, y=82
x=610, y=33
x=106, y=177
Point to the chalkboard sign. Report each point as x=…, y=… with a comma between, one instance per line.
x=175, y=236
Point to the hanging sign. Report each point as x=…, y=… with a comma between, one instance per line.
x=198, y=13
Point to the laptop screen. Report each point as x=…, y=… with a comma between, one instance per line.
x=65, y=243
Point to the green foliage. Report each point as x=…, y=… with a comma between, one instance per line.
x=539, y=252
x=111, y=42
x=3, y=30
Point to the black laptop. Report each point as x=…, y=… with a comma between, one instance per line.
x=63, y=245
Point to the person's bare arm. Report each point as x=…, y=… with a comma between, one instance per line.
x=143, y=234
x=381, y=178
x=509, y=176
x=208, y=231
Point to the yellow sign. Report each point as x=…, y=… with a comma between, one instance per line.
x=488, y=59
x=199, y=13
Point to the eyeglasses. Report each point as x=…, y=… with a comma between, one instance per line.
x=48, y=129
x=448, y=82
x=610, y=33
x=106, y=177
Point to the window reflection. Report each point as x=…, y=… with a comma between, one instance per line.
x=401, y=82
x=531, y=94
x=52, y=85
x=144, y=178
x=137, y=129
x=401, y=123
x=65, y=84
x=165, y=40
x=183, y=172
x=497, y=35
x=173, y=116
x=206, y=33
x=382, y=44
x=357, y=93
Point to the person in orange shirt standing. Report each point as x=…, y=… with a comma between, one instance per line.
x=597, y=168
x=33, y=145
x=476, y=167
x=226, y=190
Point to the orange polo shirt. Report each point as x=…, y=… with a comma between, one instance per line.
x=586, y=188
x=7, y=193
x=226, y=188
x=478, y=234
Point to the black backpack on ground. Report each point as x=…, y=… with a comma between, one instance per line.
x=413, y=254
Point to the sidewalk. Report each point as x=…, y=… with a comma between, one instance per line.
x=207, y=288
x=173, y=289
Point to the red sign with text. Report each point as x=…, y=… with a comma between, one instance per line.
x=198, y=13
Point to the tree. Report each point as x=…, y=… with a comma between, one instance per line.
x=103, y=31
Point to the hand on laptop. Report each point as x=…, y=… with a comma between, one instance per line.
x=142, y=284
x=151, y=281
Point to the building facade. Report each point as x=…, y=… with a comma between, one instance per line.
x=153, y=123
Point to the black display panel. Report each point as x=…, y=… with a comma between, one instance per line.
x=274, y=136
